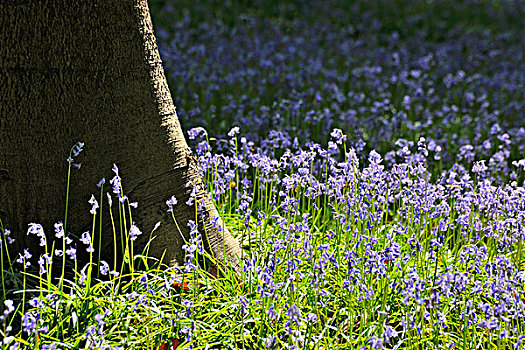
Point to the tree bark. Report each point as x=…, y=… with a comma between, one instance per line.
x=90, y=71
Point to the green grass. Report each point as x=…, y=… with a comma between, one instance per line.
x=359, y=263
x=143, y=309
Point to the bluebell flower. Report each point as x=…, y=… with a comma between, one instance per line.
x=94, y=205
x=83, y=276
x=85, y=238
x=244, y=304
x=38, y=230
x=43, y=261
x=189, y=266
x=375, y=342
x=29, y=323
x=270, y=341
x=104, y=267
x=187, y=331
x=35, y=302
x=234, y=131
x=9, y=306
x=25, y=258
x=134, y=232
x=271, y=312
x=196, y=132
x=116, y=181
x=101, y=182
x=59, y=230
x=311, y=318
x=72, y=253
x=294, y=315
x=77, y=148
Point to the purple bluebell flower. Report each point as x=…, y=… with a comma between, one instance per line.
x=479, y=167
x=144, y=280
x=311, y=318
x=338, y=136
x=29, y=322
x=134, y=232
x=59, y=230
x=94, y=205
x=271, y=312
x=375, y=342
x=90, y=332
x=83, y=276
x=101, y=182
x=389, y=333
x=189, y=266
x=196, y=132
x=294, y=316
x=9, y=308
x=9, y=239
x=234, y=131
x=43, y=261
x=270, y=341
x=187, y=331
x=100, y=320
x=77, y=148
x=171, y=203
x=35, y=302
x=192, y=196
x=72, y=253
x=38, y=230
x=116, y=181
x=85, y=238
x=104, y=267
x=244, y=303
x=25, y=257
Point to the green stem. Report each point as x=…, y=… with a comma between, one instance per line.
x=61, y=283
x=100, y=226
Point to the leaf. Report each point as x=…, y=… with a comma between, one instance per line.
x=166, y=345
x=178, y=285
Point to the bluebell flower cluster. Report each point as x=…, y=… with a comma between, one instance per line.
x=444, y=248
x=311, y=76
x=372, y=173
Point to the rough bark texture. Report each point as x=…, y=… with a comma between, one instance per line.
x=90, y=71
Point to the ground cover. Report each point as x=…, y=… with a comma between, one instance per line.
x=369, y=158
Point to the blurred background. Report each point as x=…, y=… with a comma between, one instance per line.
x=385, y=72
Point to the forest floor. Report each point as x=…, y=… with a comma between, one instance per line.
x=368, y=156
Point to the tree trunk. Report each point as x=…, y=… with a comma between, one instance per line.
x=90, y=71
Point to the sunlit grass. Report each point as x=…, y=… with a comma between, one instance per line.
x=416, y=246
x=343, y=269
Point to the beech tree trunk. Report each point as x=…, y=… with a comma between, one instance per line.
x=90, y=71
